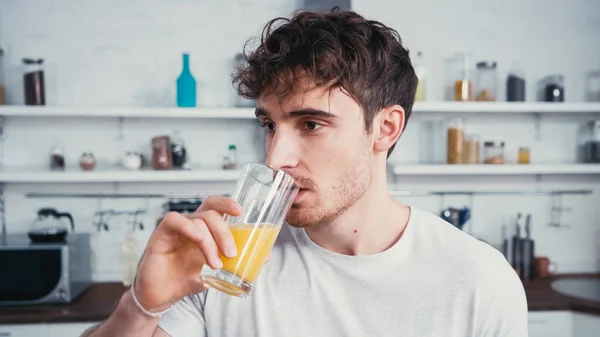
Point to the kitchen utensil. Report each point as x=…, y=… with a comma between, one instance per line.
x=456, y=216
x=516, y=247
x=528, y=252
x=50, y=226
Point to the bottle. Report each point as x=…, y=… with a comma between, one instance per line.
x=186, y=85
x=33, y=82
x=421, y=74
x=2, y=80
x=515, y=84
x=129, y=257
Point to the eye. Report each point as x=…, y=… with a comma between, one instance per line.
x=310, y=125
x=268, y=126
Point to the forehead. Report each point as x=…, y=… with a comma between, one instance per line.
x=334, y=101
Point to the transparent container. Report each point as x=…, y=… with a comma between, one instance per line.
x=421, y=75
x=592, y=86
x=524, y=156
x=515, y=84
x=33, y=82
x=2, y=79
x=162, y=158
x=493, y=152
x=463, y=81
x=455, y=141
x=590, y=145
x=471, y=149
x=486, y=85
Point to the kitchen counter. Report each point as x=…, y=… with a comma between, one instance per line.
x=98, y=302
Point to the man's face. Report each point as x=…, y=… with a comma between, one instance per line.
x=319, y=138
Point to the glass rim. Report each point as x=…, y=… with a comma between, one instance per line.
x=247, y=168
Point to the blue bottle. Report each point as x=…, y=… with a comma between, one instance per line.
x=186, y=85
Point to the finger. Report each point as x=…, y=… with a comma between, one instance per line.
x=177, y=223
x=222, y=235
x=207, y=244
x=223, y=205
x=268, y=258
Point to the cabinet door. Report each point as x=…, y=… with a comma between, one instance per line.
x=550, y=324
x=24, y=330
x=68, y=329
x=586, y=325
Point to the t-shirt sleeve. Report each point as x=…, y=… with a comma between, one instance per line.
x=502, y=304
x=186, y=318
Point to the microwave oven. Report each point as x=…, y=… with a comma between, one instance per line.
x=35, y=273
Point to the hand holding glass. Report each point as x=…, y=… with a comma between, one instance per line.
x=265, y=196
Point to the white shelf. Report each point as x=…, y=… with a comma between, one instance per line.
x=22, y=175
x=506, y=169
x=126, y=112
x=17, y=175
x=423, y=108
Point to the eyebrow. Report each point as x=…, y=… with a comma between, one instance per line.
x=299, y=113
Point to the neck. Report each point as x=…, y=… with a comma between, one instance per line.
x=371, y=225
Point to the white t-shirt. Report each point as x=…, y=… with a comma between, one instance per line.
x=435, y=281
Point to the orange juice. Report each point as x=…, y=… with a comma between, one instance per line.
x=253, y=245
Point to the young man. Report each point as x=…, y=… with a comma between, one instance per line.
x=334, y=93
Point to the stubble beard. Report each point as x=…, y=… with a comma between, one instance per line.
x=339, y=197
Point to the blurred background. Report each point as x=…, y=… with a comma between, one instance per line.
x=113, y=113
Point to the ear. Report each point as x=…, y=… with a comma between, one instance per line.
x=388, y=127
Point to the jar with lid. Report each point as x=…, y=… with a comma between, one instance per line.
x=178, y=151
x=57, y=158
x=524, y=157
x=33, y=82
x=161, y=153
x=471, y=149
x=552, y=89
x=486, y=81
x=419, y=65
x=591, y=143
x=515, y=84
x=87, y=162
x=230, y=161
x=2, y=79
x=463, y=82
x=493, y=152
x=593, y=86
x=455, y=141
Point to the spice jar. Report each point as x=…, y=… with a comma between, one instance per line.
x=178, y=150
x=524, y=157
x=553, y=89
x=87, y=162
x=486, y=81
x=132, y=161
x=161, y=153
x=493, y=152
x=471, y=149
x=455, y=141
x=57, y=159
x=515, y=84
x=230, y=161
x=593, y=86
x=463, y=85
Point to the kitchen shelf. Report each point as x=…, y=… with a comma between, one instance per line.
x=20, y=175
x=422, y=108
x=506, y=169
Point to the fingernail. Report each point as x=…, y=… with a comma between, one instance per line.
x=231, y=251
x=218, y=264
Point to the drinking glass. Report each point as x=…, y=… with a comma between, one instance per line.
x=265, y=196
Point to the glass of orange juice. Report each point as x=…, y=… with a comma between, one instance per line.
x=265, y=196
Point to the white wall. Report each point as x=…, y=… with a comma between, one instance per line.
x=99, y=55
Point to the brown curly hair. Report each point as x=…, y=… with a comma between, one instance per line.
x=339, y=49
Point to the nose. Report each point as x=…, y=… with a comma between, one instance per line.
x=282, y=150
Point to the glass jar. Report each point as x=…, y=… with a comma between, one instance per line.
x=463, y=83
x=515, y=84
x=524, y=156
x=552, y=89
x=471, y=149
x=161, y=153
x=493, y=152
x=419, y=65
x=593, y=86
x=87, y=162
x=2, y=79
x=33, y=82
x=178, y=150
x=230, y=161
x=57, y=158
x=455, y=141
x=132, y=160
x=486, y=82
x=591, y=143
